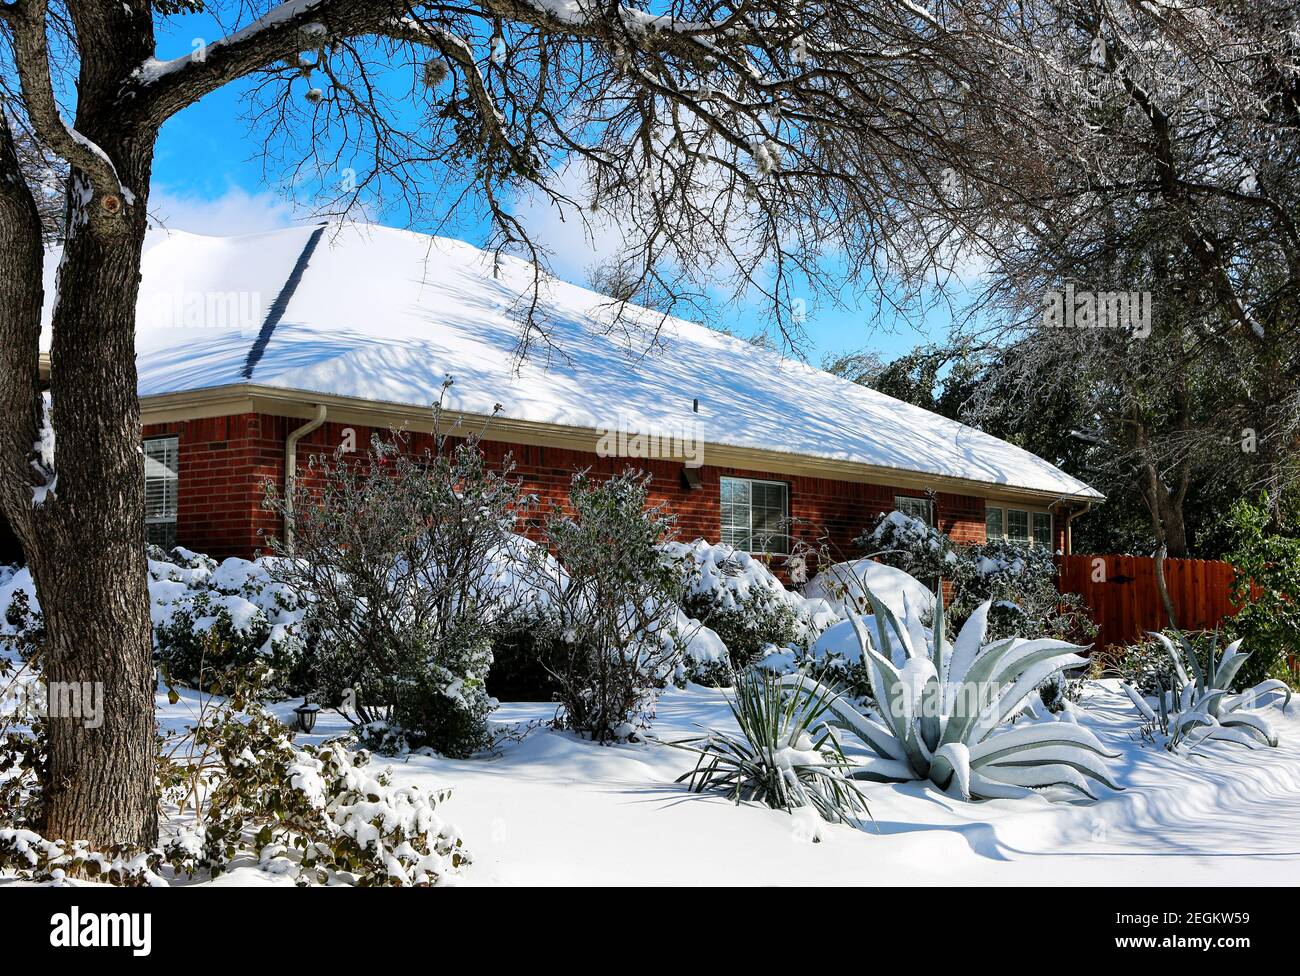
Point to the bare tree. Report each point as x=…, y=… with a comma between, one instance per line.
x=755, y=137
x=47, y=176
x=1153, y=153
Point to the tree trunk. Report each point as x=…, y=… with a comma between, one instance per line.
x=85, y=543
x=90, y=569
x=21, y=296
x=1175, y=526
x=1165, y=506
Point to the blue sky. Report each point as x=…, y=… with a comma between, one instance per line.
x=209, y=178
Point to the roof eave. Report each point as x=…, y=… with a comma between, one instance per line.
x=257, y=398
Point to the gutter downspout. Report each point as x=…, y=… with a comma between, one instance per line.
x=291, y=469
x=1070, y=515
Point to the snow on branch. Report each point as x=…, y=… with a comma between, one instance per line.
x=32, y=59
x=43, y=462
x=152, y=70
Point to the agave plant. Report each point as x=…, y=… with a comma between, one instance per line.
x=785, y=756
x=942, y=714
x=1202, y=707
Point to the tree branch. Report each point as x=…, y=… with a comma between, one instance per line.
x=32, y=57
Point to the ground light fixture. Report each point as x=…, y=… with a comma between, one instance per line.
x=305, y=716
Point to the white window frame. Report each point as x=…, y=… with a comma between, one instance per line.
x=170, y=499
x=903, y=502
x=781, y=539
x=1030, y=511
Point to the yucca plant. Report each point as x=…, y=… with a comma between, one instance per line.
x=785, y=756
x=1202, y=707
x=942, y=713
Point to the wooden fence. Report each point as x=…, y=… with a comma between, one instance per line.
x=1122, y=593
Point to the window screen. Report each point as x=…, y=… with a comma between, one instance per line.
x=754, y=514
x=161, y=481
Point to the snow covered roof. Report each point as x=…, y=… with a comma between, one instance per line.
x=383, y=315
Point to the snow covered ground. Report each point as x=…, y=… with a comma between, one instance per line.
x=553, y=809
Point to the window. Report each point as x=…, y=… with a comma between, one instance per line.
x=161, y=479
x=993, y=524
x=1042, y=529
x=1017, y=525
x=754, y=514
x=915, y=507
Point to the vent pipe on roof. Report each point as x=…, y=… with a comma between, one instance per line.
x=291, y=469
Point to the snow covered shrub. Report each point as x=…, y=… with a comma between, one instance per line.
x=316, y=813
x=398, y=556
x=234, y=791
x=193, y=599
x=23, y=765
x=786, y=756
x=842, y=587
x=834, y=660
x=1146, y=665
x=612, y=635
x=1020, y=582
x=942, y=710
x=1201, y=708
x=33, y=857
x=907, y=543
x=740, y=600
x=1266, y=585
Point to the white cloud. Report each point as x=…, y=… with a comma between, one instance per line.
x=232, y=213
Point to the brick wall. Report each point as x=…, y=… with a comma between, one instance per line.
x=224, y=462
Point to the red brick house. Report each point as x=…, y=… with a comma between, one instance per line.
x=255, y=352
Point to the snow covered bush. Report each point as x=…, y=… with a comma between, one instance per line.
x=943, y=710
x=612, y=635
x=834, y=659
x=196, y=605
x=907, y=543
x=23, y=768
x=1020, y=582
x=234, y=791
x=1146, y=665
x=316, y=814
x=194, y=599
x=1266, y=585
x=397, y=555
x=739, y=599
x=1200, y=708
x=785, y=756
x=843, y=587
